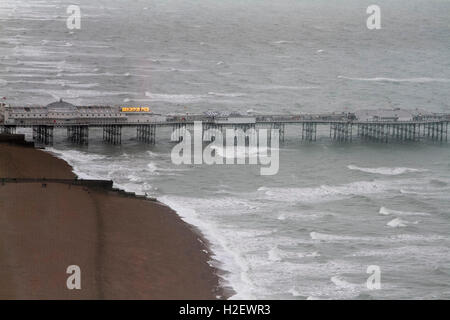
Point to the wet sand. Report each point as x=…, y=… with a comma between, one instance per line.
x=126, y=247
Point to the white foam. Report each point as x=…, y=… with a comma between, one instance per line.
x=229, y=95
x=230, y=259
x=330, y=237
x=283, y=42
x=385, y=211
x=73, y=158
x=240, y=152
x=283, y=87
x=325, y=192
x=274, y=254
x=174, y=98
x=74, y=94
x=294, y=292
x=341, y=283
x=419, y=252
x=152, y=167
x=397, y=223
x=395, y=238
x=313, y=254
x=411, y=80
x=71, y=155
x=386, y=170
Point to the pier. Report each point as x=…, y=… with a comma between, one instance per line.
x=382, y=125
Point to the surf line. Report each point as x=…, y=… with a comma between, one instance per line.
x=236, y=147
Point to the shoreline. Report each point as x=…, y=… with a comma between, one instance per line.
x=127, y=246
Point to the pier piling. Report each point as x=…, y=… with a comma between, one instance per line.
x=78, y=134
x=112, y=134
x=309, y=131
x=43, y=134
x=146, y=133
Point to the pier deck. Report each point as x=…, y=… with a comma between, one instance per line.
x=368, y=125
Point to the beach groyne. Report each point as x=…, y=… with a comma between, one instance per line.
x=16, y=139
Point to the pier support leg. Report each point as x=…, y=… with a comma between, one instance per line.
x=146, y=133
x=112, y=134
x=43, y=134
x=78, y=134
x=8, y=129
x=309, y=131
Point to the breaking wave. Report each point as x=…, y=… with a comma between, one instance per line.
x=397, y=222
x=395, y=80
x=386, y=170
x=386, y=212
x=325, y=192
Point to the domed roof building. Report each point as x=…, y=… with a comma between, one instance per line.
x=62, y=109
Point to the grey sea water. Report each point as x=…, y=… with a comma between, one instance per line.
x=333, y=210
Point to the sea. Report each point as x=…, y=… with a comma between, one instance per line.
x=337, y=217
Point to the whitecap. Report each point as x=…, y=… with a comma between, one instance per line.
x=397, y=223
x=230, y=95
x=294, y=292
x=152, y=167
x=344, y=284
x=282, y=42
x=274, y=254
x=174, y=98
x=386, y=170
x=239, y=152
x=385, y=211
x=313, y=254
x=325, y=192
x=411, y=80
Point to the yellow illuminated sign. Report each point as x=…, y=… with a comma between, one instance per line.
x=135, y=109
